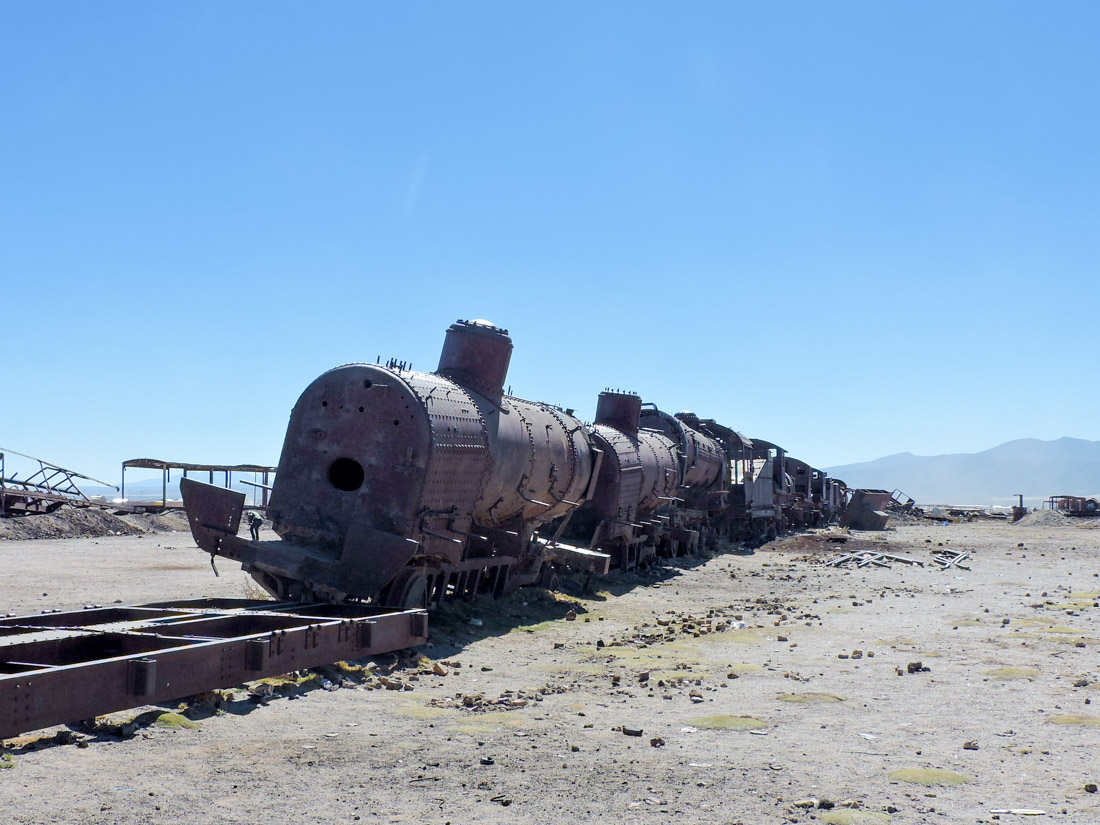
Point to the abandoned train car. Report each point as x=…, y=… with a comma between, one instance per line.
x=405, y=488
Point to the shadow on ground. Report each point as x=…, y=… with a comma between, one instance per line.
x=452, y=628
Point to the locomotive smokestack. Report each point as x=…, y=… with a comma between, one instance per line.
x=620, y=410
x=476, y=354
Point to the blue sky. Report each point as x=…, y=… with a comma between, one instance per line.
x=853, y=229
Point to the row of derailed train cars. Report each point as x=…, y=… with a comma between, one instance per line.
x=405, y=488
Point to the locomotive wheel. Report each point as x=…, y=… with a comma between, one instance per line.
x=408, y=591
x=277, y=587
x=548, y=578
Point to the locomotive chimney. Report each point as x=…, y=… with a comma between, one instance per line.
x=476, y=355
x=620, y=410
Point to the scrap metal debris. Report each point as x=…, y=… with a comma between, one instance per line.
x=866, y=558
x=942, y=559
x=950, y=558
x=46, y=489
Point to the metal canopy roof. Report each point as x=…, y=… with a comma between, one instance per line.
x=159, y=464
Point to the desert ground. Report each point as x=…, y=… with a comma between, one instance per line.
x=762, y=688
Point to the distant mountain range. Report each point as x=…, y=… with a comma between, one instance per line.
x=1037, y=469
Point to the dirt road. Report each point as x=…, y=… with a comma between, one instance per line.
x=740, y=689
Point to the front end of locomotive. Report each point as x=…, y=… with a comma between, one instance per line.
x=407, y=487
x=353, y=497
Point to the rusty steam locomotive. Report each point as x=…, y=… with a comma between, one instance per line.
x=405, y=488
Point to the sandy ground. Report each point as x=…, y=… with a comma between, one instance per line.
x=534, y=718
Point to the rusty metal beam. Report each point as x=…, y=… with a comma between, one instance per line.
x=159, y=464
x=58, y=668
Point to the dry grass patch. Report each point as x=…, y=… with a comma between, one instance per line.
x=1060, y=628
x=489, y=722
x=421, y=712
x=810, y=698
x=1073, y=604
x=579, y=668
x=723, y=721
x=846, y=817
x=928, y=777
x=1008, y=673
x=1036, y=621
x=1081, y=719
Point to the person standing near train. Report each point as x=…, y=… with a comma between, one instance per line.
x=255, y=522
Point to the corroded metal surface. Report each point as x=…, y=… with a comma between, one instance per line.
x=866, y=510
x=703, y=458
x=59, y=668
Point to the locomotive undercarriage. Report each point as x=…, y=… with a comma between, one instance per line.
x=510, y=559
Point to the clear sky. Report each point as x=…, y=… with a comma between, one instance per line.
x=852, y=229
